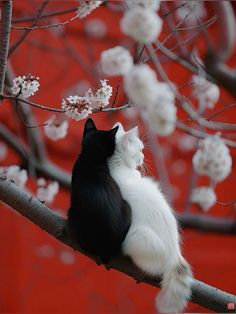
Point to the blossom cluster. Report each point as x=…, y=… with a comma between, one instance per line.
x=191, y=11
x=155, y=99
x=206, y=92
x=15, y=174
x=147, y=4
x=211, y=159
x=25, y=85
x=46, y=192
x=56, y=128
x=78, y=107
x=141, y=22
x=86, y=7
x=204, y=196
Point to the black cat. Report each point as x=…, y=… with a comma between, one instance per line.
x=98, y=216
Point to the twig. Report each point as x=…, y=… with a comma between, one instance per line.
x=111, y=109
x=25, y=123
x=4, y=40
x=226, y=203
x=200, y=134
x=116, y=94
x=220, y=111
x=44, y=26
x=21, y=39
x=33, y=104
x=43, y=16
x=184, y=102
x=165, y=14
x=55, y=225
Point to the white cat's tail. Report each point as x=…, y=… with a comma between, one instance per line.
x=176, y=289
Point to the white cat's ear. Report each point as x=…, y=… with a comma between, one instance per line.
x=120, y=126
x=130, y=134
x=133, y=132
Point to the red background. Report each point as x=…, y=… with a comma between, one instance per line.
x=39, y=274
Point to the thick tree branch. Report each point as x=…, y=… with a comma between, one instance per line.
x=206, y=223
x=56, y=226
x=4, y=40
x=224, y=75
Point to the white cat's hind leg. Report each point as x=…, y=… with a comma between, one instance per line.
x=145, y=248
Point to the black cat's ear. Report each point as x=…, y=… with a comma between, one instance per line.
x=89, y=126
x=114, y=130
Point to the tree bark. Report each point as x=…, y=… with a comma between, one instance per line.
x=4, y=39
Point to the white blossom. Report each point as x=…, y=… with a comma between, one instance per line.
x=101, y=97
x=204, y=196
x=207, y=93
x=162, y=117
x=191, y=11
x=25, y=85
x=86, y=7
x=56, y=128
x=116, y=61
x=213, y=158
x=3, y=151
x=95, y=28
x=140, y=85
x=46, y=192
x=76, y=107
x=142, y=24
x=148, y=4
x=15, y=174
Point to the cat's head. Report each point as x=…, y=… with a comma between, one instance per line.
x=129, y=147
x=98, y=144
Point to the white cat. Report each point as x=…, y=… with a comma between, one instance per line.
x=152, y=241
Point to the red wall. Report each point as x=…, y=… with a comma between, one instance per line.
x=39, y=274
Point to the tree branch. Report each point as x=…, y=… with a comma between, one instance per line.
x=55, y=225
x=43, y=16
x=206, y=223
x=4, y=40
x=21, y=39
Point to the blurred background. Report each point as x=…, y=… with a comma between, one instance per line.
x=37, y=273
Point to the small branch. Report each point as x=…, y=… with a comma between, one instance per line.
x=220, y=111
x=200, y=134
x=111, y=109
x=43, y=16
x=55, y=25
x=26, y=33
x=184, y=102
x=56, y=226
x=4, y=40
x=33, y=104
x=116, y=94
x=9, y=138
x=226, y=203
